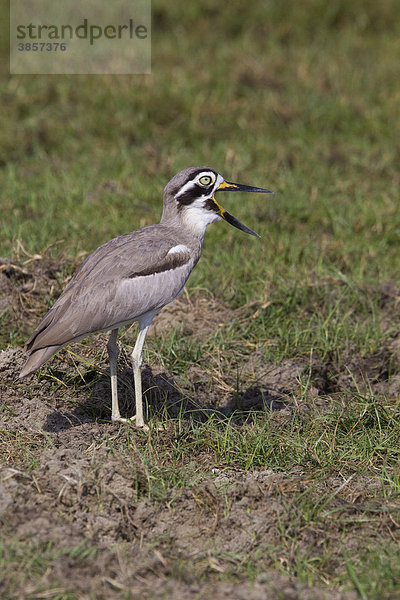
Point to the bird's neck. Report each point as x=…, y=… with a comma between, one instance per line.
x=186, y=224
x=192, y=219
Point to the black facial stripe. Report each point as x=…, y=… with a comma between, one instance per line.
x=188, y=196
x=193, y=193
x=210, y=205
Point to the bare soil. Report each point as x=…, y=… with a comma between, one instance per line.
x=80, y=494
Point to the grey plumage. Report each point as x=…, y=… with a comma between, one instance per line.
x=109, y=291
x=130, y=278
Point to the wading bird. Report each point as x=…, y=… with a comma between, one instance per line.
x=132, y=277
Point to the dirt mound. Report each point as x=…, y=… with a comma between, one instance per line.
x=25, y=290
x=82, y=497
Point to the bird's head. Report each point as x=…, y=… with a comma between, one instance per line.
x=191, y=194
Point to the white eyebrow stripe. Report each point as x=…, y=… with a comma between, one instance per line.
x=178, y=249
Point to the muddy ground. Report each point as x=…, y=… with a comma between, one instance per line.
x=88, y=507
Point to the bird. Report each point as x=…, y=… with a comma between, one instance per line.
x=132, y=277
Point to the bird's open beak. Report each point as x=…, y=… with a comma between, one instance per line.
x=237, y=187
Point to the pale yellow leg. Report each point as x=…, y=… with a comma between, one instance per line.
x=113, y=352
x=137, y=358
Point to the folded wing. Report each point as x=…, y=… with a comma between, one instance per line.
x=120, y=281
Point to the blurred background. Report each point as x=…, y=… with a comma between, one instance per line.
x=300, y=98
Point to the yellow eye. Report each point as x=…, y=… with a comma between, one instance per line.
x=205, y=180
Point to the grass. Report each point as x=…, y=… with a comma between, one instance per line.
x=33, y=562
x=358, y=437
x=302, y=100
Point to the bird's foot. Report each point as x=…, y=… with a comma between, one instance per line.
x=119, y=419
x=132, y=421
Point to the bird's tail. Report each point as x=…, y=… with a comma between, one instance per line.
x=37, y=358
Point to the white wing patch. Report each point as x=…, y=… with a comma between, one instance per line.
x=178, y=249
